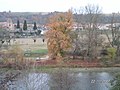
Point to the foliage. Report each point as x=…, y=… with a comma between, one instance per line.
x=39, y=32
x=111, y=53
x=109, y=57
x=18, y=24
x=25, y=25
x=106, y=61
x=15, y=57
x=17, y=53
x=58, y=35
x=35, y=26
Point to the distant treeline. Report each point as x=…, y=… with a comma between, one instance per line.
x=42, y=18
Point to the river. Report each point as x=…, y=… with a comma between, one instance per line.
x=65, y=79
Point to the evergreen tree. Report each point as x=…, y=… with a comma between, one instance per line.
x=35, y=26
x=25, y=25
x=18, y=24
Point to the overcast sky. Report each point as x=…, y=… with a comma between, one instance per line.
x=108, y=6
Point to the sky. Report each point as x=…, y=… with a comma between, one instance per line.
x=108, y=6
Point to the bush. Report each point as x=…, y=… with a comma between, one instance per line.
x=109, y=56
x=106, y=61
x=111, y=53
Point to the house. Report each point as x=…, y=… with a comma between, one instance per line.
x=8, y=25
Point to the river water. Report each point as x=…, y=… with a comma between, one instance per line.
x=64, y=80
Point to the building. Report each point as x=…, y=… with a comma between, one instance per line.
x=8, y=25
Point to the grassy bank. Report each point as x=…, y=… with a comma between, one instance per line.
x=76, y=70
x=95, y=69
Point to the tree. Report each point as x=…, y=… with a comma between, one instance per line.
x=92, y=13
x=90, y=18
x=58, y=36
x=86, y=42
x=114, y=36
x=35, y=26
x=25, y=25
x=39, y=32
x=18, y=24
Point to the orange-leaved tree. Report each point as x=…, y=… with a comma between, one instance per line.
x=59, y=34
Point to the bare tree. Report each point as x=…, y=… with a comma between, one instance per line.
x=89, y=39
x=92, y=12
x=114, y=36
x=114, y=31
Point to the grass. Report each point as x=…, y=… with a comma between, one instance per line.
x=36, y=53
x=40, y=51
x=76, y=70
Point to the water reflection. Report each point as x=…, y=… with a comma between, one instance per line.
x=64, y=79
x=94, y=81
x=31, y=81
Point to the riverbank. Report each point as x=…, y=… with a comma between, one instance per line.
x=75, y=64
x=95, y=69
x=75, y=70
x=54, y=64
x=44, y=68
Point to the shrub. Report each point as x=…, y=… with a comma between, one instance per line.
x=109, y=56
x=111, y=53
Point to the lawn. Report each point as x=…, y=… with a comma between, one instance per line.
x=36, y=53
x=40, y=51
